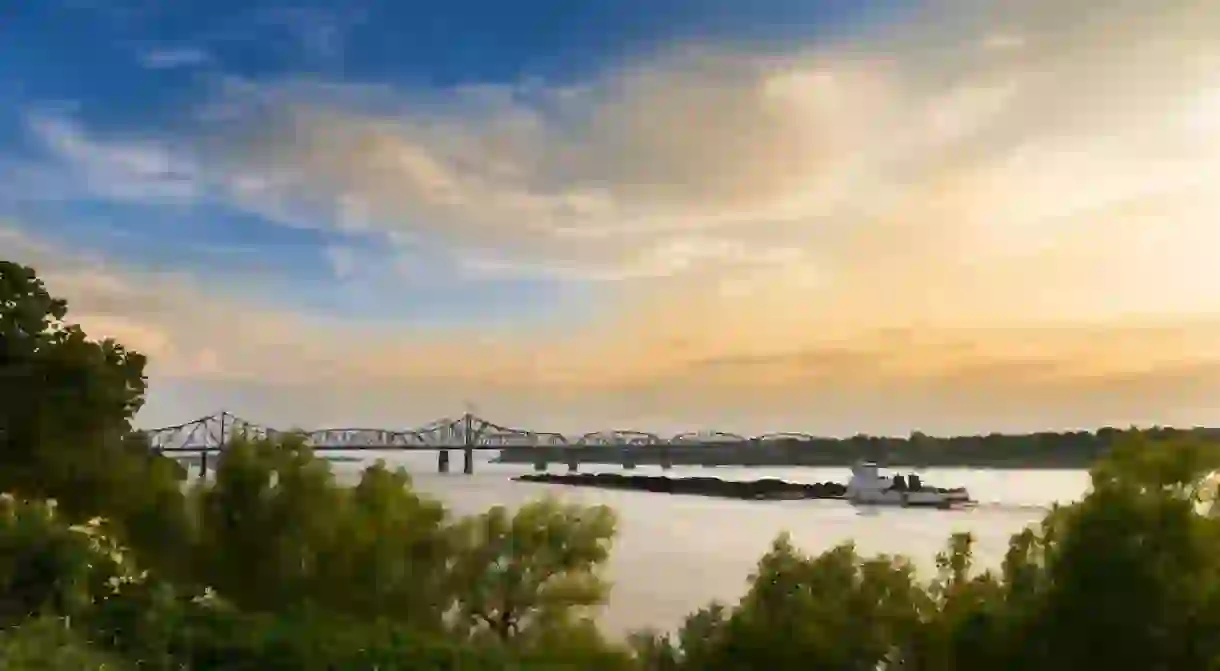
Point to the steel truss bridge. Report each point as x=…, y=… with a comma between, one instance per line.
x=467, y=432
x=213, y=432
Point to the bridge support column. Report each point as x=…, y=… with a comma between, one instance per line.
x=667, y=460
x=468, y=461
x=203, y=464
x=628, y=459
x=541, y=464
x=442, y=461
x=573, y=464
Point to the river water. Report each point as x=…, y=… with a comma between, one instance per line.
x=674, y=554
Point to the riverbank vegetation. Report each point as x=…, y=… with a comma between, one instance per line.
x=108, y=560
x=1047, y=449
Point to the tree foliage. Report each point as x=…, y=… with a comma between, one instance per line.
x=51, y=644
x=1066, y=449
x=66, y=407
x=531, y=571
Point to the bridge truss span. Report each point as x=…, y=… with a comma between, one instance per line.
x=367, y=438
x=620, y=438
x=206, y=433
x=785, y=436
x=213, y=432
x=707, y=437
x=487, y=434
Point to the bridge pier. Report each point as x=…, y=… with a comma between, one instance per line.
x=203, y=465
x=667, y=460
x=468, y=461
x=627, y=457
x=442, y=461
x=573, y=464
x=541, y=464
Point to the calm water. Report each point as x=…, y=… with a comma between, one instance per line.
x=676, y=553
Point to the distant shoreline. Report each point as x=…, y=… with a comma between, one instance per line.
x=1070, y=450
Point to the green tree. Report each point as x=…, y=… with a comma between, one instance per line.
x=966, y=625
x=1133, y=570
x=62, y=396
x=48, y=567
x=49, y=644
x=1128, y=577
x=532, y=572
x=654, y=650
x=833, y=611
x=66, y=407
x=390, y=555
x=266, y=522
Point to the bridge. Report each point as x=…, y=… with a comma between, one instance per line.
x=468, y=433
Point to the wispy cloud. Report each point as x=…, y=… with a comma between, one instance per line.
x=924, y=178
x=133, y=170
x=170, y=58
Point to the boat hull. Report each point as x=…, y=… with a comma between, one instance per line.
x=901, y=499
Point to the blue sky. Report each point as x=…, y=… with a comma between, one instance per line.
x=673, y=213
x=136, y=70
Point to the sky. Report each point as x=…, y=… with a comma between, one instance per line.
x=951, y=216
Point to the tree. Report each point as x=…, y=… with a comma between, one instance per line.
x=49, y=644
x=654, y=650
x=390, y=558
x=265, y=523
x=66, y=407
x=965, y=626
x=1132, y=575
x=1128, y=577
x=48, y=567
x=62, y=396
x=833, y=611
x=535, y=571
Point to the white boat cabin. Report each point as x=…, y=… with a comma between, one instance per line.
x=869, y=486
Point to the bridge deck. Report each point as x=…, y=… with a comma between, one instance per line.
x=186, y=449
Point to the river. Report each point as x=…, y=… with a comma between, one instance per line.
x=674, y=554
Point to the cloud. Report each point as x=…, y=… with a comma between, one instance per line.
x=136, y=170
x=867, y=177
x=998, y=216
x=173, y=58
x=213, y=347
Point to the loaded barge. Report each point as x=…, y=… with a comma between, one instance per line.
x=867, y=487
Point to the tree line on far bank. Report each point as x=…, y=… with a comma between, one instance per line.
x=1045, y=449
x=109, y=561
